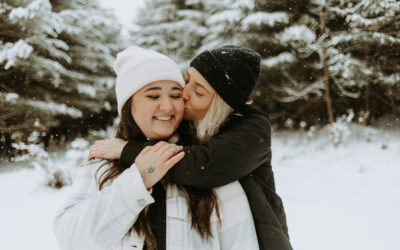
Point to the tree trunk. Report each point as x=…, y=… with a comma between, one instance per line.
x=394, y=109
x=373, y=110
x=367, y=105
x=322, y=19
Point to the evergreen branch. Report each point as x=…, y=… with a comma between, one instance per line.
x=314, y=47
x=357, y=21
x=344, y=91
x=319, y=7
x=296, y=94
x=291, y=79
x=345, y=12
x=7, y=115
x=14, y=127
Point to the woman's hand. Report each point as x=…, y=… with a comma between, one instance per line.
x=110, y=149
x=155, y=161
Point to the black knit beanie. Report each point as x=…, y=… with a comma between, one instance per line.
x=231, y=70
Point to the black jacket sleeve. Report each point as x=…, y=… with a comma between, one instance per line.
x=131, y=150
x=241, y=146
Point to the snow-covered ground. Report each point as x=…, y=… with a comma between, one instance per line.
x=340, y=198
x=336, y=198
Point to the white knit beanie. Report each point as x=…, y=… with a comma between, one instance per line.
x=136, y=67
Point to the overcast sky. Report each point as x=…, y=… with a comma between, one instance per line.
x=124, y=9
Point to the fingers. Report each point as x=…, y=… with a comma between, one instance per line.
x=168, y=154
x=98, y=149
x=100, y=142
x=94, y=149
x=166, y=148
x=159, y=145
x=93, y=152
x=147, y=149
x=90, y=155
x=169, y=150
x=174, y=159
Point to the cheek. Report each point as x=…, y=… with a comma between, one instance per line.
x=179, y=109
x=204, y=103
x=196, y=103
x=143, y=113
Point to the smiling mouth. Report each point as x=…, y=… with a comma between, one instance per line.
x=163, y=118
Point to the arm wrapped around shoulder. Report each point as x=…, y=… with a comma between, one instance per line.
x=242, y=145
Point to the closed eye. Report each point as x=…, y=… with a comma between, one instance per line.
x=176, y=96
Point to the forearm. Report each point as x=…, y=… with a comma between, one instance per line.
x=131, y=150
x=232, y=154
x=228, y=156
x=94, y=219
x=204, y=168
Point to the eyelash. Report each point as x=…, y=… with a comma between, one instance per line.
x=187, y=81
x=155, y=97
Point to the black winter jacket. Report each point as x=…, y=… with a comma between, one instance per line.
x=240, y=151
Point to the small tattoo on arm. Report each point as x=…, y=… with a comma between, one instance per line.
x=145, y=174
x=151, y=169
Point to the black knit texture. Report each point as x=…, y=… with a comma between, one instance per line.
x=231, y=70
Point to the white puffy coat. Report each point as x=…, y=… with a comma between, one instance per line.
x=94, y=220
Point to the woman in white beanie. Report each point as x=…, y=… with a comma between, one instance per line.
x=113, y=206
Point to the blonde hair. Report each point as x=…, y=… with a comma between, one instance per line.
x=216, y=115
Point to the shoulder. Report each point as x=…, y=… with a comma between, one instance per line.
x=250, y=118
x=93, y=168
x=254, y=113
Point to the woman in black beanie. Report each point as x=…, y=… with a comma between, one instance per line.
x=234, y=137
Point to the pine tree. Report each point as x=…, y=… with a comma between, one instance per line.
x=365, y=56
x=224, y=22
x=55, y=75
x=352, y=51
x=275, y=29
x=172, y=27
x=319, y=57
x=332, y=50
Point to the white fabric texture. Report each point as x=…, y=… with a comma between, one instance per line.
x=100, y=220
x=136, y=67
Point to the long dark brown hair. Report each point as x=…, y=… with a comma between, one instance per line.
x=201, y=202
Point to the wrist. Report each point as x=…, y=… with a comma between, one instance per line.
x=129, y=152
x=121, y=148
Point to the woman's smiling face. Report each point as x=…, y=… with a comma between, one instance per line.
x=158, y=109
x=197, y=95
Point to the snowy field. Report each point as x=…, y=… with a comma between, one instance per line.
x=344, y=197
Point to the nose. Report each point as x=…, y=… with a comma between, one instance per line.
x=166, y=105
x=185, y=94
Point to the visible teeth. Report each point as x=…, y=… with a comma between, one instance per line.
x=163, y=118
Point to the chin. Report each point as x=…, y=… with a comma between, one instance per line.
x=188, y=116
x=164, y=135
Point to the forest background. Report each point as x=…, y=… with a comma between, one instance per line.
x=320, y=60
x=330, y=83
